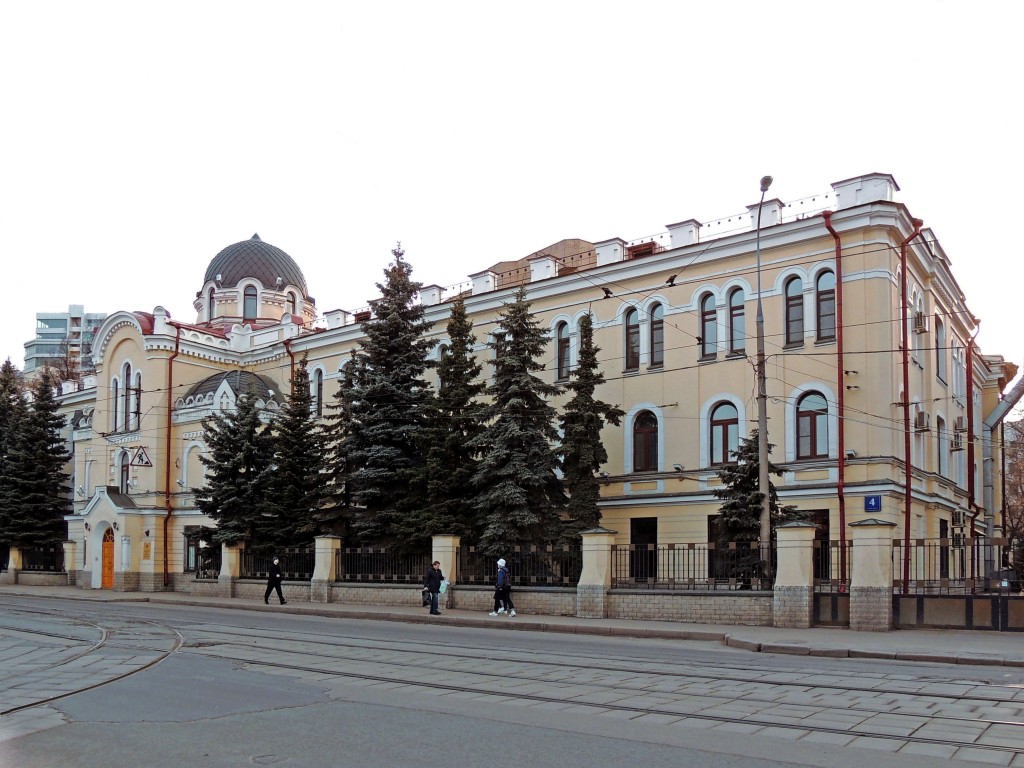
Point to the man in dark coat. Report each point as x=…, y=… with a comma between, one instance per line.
x=432, y=583
x=274, y=582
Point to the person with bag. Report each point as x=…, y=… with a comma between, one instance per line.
x=432, y=581
x=503, y=593
x=274, y=582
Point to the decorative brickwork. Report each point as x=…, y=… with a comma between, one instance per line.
x=743, y=608
x=871, y=609
x=793, y=606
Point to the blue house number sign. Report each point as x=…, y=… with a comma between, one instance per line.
x=873, y=503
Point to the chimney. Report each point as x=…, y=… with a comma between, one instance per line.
x=771, y=213
x=684, y=233
x=542, y=267
x=610, y=251
x=870, y=188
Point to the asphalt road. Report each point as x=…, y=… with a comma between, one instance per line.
x=154, y=685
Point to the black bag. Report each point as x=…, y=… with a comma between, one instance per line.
x=426, y=597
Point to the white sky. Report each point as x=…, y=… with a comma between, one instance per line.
x=137, y=140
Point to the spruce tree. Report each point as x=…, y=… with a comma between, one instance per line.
x=12, y=411
x=388, y=405
x=339, y=428
x=296, y=484
x=237, y=478
x=34, y=473
x=739, y=518
x=519, y=496
x=582, y=452
x=453, y=421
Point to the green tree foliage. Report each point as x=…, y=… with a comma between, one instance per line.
x=238, y=465
x=453, y=421
x=739, y=517
x=582, y=453
x=296, y=488
x=12, y=411
x=34, y=481
x=339, y=428
x=519, y=496
x=388, y=404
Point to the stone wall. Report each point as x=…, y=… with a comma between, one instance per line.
x=549, y=601
x=37, y=579
x=739, y=607
x=378, y=594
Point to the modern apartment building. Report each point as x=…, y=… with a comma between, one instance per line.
x=63, y=339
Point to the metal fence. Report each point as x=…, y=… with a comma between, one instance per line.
x=528, y=566
x=48, y=558
x=207, y=562
x=296, y=564
x=737, y=565
x=377, y=565
x=833, y=566
x=952, y=566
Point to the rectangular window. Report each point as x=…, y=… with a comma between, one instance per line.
x=657, y=343
x=632, y=347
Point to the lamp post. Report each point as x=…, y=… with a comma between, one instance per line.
x=762, y=397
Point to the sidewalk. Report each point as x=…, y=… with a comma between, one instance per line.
x=931, y=646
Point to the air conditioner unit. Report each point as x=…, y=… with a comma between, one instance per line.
x=922, y=421
x=920, y=322
x=958, y=540
x=958, y=518
x=960, y=425
x=957, y=443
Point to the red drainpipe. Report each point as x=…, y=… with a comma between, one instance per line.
x=905, y=336
x=970, y=422
x=167, y=447
x=840, y=401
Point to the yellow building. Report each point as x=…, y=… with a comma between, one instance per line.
x=850, y=382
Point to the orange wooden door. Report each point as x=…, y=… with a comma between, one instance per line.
x=108, y=559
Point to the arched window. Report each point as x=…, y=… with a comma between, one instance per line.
x=632, y=340
x=645, y=442
x=562, y=351
x=657, y=336
x=115, y=403
x=812, y=426
x=292, y=303
x=725, y=433
x=825, y=303
x=737, y=323
x=940, y=350
x=318, y=393
x=125, y=473
x=211, y=305
x=794, y=311
x=249, y=304
x=137, y=401
x=126, y=398
x=708, y=327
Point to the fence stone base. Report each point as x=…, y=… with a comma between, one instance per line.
x=745, y=608
x=871, y=609
x=550, y=601
x=591, y=602
x=9, y=576
x=377, y=594
x=793, y=607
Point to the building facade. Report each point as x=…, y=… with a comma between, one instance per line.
x=63, y=339
x=858, y=380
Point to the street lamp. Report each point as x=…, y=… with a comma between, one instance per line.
x=762, y=397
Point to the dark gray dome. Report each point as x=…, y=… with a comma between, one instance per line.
x=241, y=383
x=257, y=259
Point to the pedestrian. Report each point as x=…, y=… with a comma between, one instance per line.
x=274, y=582
x=503, y=593
x=432, y=583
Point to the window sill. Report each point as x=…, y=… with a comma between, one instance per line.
x=656, y=367
x=631, y=372
x=708, y=359
x=824, y=342
x=734, y=355
x=794, y=345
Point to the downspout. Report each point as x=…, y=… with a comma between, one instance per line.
x=840, y=401
x=167, y=448
x=908, y=470
x=1002, y=476
x=970, y=423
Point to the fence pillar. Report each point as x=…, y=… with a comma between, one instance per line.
x=230, y=567
x=596, y=574
x=446, y=549
x=325, y=567
x=10, y=576
x=70, y=548
x=871, y=576
x=793, y=596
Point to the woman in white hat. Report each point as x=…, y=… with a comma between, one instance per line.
x=502, y=593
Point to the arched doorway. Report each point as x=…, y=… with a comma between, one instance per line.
x=108, y=559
